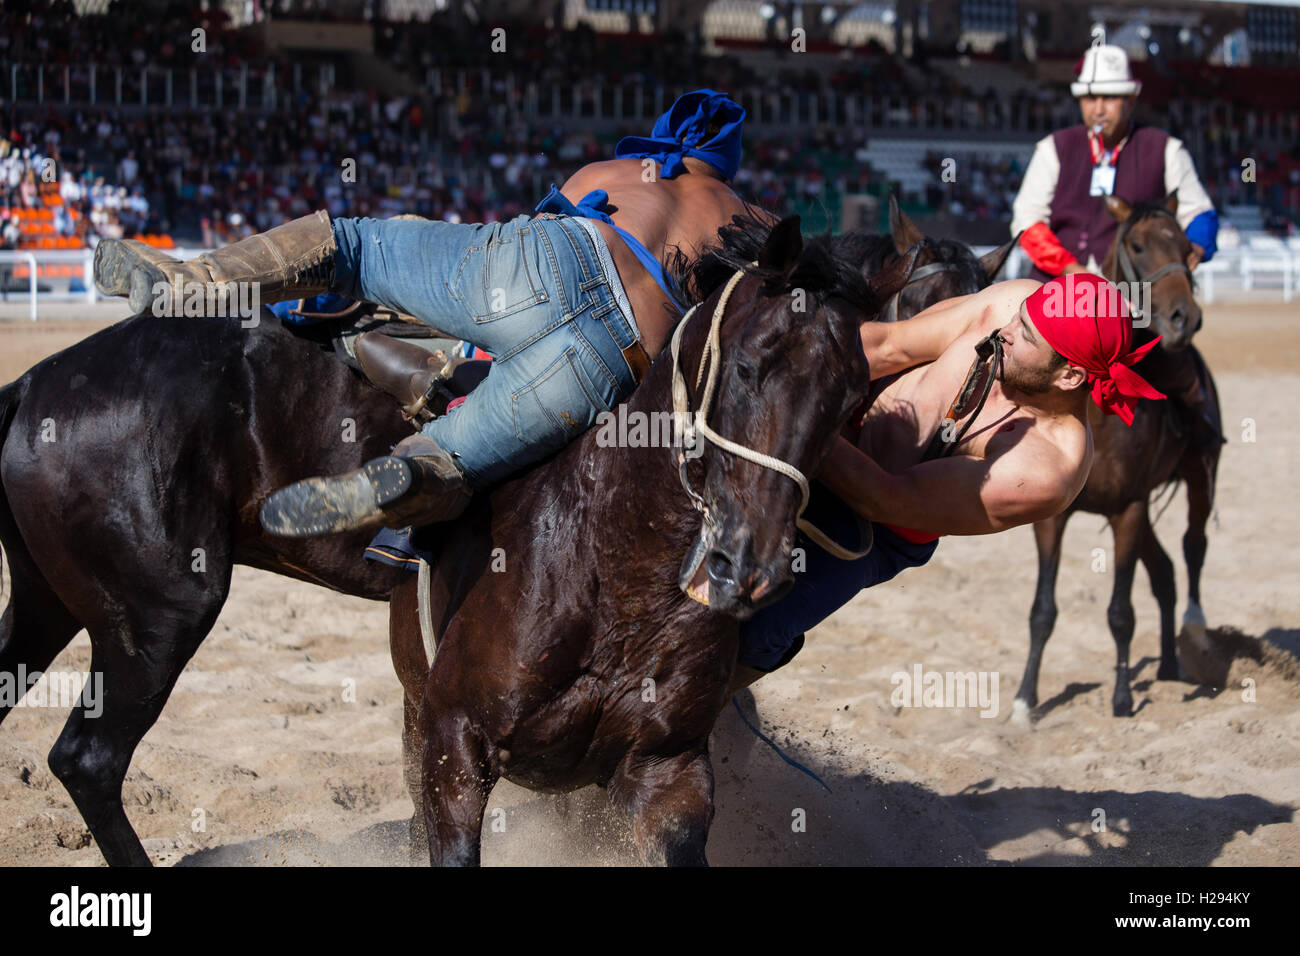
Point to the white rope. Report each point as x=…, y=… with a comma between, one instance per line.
x=712, y=357
x=426, y=615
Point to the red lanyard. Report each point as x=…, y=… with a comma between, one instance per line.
x=1095, y=147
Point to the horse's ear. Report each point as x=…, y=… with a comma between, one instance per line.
x=1118, y=208
x=1171, y=202
x=901, y=227
x=893, y=277
x=992, y=262
x=783, y=246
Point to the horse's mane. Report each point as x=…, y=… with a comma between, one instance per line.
x=828, y=265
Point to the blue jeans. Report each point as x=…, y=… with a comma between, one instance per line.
x=541, y=294
x=768, y=639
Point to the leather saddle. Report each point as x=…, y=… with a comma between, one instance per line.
x=402, y=356
x=397, y=353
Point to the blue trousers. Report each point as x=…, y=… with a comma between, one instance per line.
x=771, y=637
x=541, y=294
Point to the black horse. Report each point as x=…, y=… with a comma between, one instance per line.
x=1167, y=442
x=132, y=467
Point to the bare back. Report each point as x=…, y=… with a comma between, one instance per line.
x=683, y=213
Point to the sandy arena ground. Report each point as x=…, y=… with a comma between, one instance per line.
x=259, y=743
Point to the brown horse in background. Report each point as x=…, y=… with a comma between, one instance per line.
x=1167, y=442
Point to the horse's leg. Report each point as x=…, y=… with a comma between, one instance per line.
x=1042, y=616
x=34, y=627
x=1198, y=471
x=412, y=666
x=671, y=802
x=136, y=660
x=1161, y=572
x=1128, y=528
x=459, y=774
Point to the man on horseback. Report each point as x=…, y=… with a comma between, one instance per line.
x=573, y=304
x=1012, y=447
x=1061, y=213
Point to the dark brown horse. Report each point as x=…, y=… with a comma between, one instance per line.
x=1166, y=442
x=578, y=659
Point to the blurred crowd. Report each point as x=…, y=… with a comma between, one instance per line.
x=119, y=33
x=455, y=151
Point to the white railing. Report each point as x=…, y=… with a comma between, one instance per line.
x=58, y=289
x=1259, y=267
x=39, y=286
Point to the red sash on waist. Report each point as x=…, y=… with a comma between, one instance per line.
x=911, y=534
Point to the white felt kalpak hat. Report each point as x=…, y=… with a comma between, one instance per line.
x=1105, y=72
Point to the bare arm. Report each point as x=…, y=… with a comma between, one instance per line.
x=957, y=495
x=894, y=346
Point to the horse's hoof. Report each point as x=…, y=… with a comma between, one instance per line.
x=1194, y=627
x=1020, y=714
x=1168, y=672
x=1122, y=708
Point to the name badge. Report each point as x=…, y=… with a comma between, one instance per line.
x=1103, y=181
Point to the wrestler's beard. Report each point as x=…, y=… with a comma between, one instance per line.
x=1031, y=381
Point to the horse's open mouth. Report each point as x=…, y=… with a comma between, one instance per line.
x=705, y=562
x=693, y=578
x=698, y=587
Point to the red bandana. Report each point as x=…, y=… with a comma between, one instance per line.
x=1086, y=319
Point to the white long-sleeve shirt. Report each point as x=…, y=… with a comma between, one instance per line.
x=1034, y=201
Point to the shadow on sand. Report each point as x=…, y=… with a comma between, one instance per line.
x=771, y=814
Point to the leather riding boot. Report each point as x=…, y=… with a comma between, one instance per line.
x=291, y=261
x=418, y=484
x=424, y=382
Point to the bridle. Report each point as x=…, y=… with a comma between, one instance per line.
x=1126, y=267
x=697, y=429
x=924, y=272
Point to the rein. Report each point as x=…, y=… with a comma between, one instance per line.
x=697, y=429
x=988, y=359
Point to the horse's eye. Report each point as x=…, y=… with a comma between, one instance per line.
x=746, y=371
x=1136, y=248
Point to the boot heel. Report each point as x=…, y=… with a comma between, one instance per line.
x=317, y=506
x=141, y=297
x=391, y=479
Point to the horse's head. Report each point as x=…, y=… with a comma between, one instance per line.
x=944, y=268
x=790, y=371
x=1151, y=250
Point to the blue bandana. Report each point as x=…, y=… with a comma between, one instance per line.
x=680, y=133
